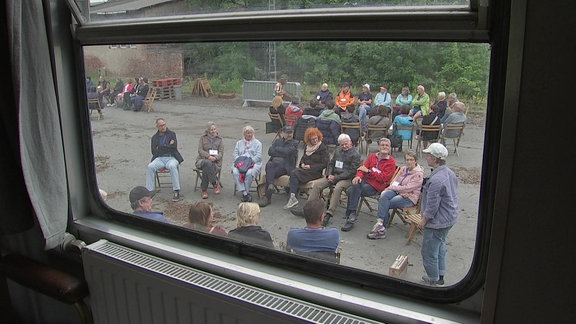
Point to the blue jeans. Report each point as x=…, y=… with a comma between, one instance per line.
x=391, y=199
x=354, y=193
x=362, y=110
x=434, y=251
x=248, y=178
x=167, y=162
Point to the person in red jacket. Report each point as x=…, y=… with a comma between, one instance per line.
x=371, y=178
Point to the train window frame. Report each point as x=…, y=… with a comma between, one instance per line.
x=454, y=26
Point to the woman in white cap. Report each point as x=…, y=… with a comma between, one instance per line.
x=439, y=213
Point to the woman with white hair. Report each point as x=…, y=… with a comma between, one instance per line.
x=248, y=230
x=247, y=159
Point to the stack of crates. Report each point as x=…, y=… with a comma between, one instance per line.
x=165, y=87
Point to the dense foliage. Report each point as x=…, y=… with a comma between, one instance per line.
x=449, y=67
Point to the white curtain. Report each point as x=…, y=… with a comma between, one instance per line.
x=41, y=146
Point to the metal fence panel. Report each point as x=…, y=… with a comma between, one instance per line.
x=263, y=91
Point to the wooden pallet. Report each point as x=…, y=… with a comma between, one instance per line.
x=202, y=88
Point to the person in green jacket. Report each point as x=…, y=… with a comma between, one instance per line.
x=420, y=103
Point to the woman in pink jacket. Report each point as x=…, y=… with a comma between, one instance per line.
x=404, y=191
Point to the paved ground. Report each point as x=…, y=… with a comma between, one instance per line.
x=122, y=151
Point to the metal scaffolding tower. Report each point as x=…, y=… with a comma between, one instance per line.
x=272, y=73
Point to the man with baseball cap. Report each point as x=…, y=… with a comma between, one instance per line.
x=439, y=213
x=283, y=156
x=141, y=203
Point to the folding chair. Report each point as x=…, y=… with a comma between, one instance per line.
x=162, y=174
x=354, y=126
x=275, y=119
x=253, y=186
x=374, y=128
x=199, y=177
x=453, y=131
x=410, y=127
x=94, y=104
x=375, y=198
x=147, y=102
x=429, y=129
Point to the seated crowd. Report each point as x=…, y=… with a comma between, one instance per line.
x=343, y=170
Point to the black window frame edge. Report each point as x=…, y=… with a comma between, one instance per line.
x=174, y=31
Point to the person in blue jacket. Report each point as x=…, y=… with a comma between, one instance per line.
x=141, y=203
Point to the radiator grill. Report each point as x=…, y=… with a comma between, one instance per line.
x=186, y=278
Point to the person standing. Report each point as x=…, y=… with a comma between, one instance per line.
x=209, y=160
x=164, y=155
x=371, y=178
x=283, y=156
x=439, y=213
x=247, y=147
x=141, y=203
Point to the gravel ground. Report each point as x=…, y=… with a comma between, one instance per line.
x=122, y=151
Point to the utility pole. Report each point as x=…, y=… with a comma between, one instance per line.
x=272, y=73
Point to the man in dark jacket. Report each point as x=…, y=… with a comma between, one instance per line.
x=341, y=170
x=165, y=155
x=141, y=93
x=283, y=156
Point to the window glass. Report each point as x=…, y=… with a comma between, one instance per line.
x=102, y=10
x=232, y=86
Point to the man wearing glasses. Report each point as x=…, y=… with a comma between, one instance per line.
x=165, y=155
x=371, y=178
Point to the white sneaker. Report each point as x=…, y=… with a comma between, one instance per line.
x=293, y=201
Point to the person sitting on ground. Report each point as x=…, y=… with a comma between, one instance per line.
x=93, y=94
x=293, y=111
x=404, y=191
x=141, y=203
x=311, y=165
x=283, y=156
x=420, y=103
x=341, y=169
x=201, y=217
x=364, y=104
x=324, y=95
x=247, y=228
x=314, y=237
x=371, y=178
x=249, y=147
x=209, y=160
x=140, y=95
x=350, y=117
x=165, y=155
x=403, y=119
x=381, y=119
x=344, y=98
